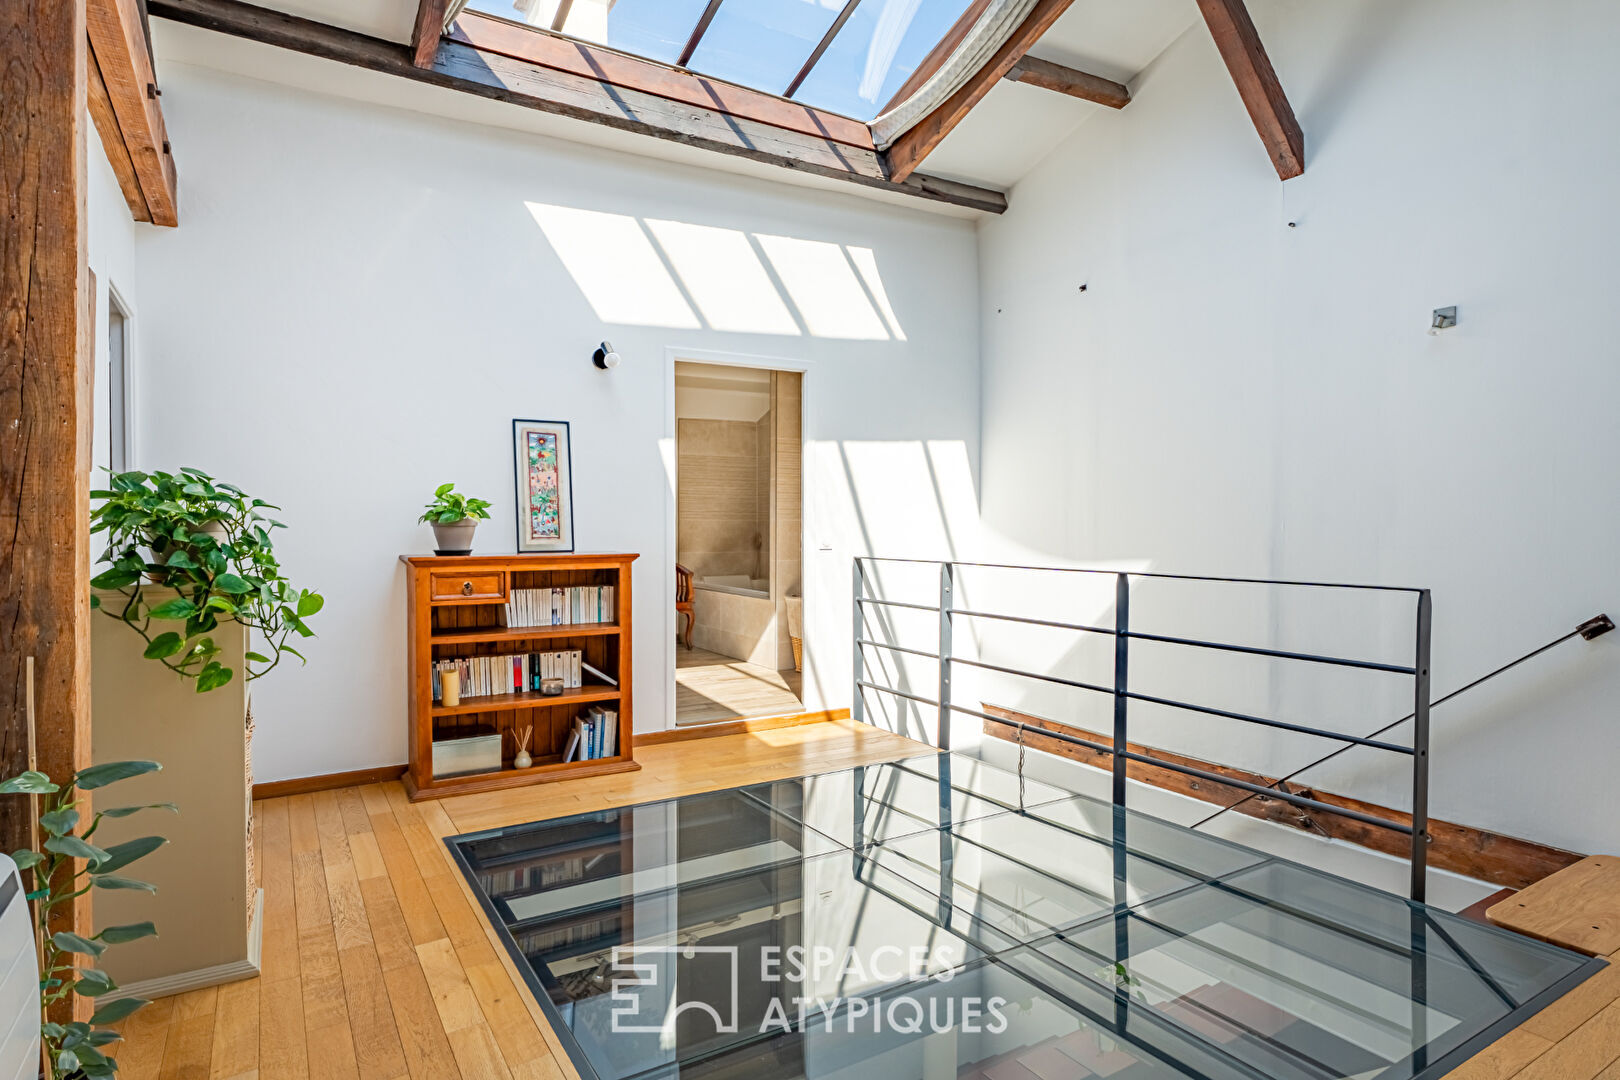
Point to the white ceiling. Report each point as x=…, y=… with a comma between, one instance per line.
x=1004, y=137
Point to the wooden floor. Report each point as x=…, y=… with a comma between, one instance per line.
x=710, y=687
x=378, y=964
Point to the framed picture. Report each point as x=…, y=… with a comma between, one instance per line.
x=545, y=485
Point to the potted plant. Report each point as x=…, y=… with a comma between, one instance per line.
x=454, y=518
x=69, y=864
x=185, y=551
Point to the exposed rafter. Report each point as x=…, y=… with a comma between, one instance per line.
x=920, y=140
x=462, y=67
x=1066, y=80
x=118, y=39
x=428, y=31
x=1257, y=83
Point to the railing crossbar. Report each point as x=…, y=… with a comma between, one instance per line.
x=1151, y=574
x=1376, y=744
x=1340, y=661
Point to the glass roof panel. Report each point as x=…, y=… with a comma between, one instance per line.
x=655, y=29
x=763, y=43
x=876, y=51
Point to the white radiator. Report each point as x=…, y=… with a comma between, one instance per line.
x=19, y=980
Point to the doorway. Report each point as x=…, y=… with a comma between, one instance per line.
x=739, y=557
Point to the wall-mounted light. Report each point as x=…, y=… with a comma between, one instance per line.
x=1444, y=319
x=604, y=357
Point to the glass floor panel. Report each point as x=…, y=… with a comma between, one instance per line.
x=937, y=917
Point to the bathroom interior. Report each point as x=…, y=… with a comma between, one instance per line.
x=738, y=542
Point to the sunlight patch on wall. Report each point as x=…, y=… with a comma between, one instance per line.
x=724, y=277
x=866, y=262
x=824, y=287
x=615, y=265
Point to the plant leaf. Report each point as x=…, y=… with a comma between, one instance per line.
x=25, y=858
x=177, y=608
x=118, y=935
x=121, y=855
x=105, y=1035
x=113, y=881
x=257, y=658
x=309, y=603
x=113, y=771
x=114, y=1011
x=76, y=848
x=73, y=943
x=165, y=645
x=213, y=676
x=231, y=583
x=28, y=783
x=115, y=579
x=93, y=983
x=67, y=1063
x=125, y=811
x=60, y=822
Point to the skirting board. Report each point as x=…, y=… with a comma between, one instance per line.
x=304, y=785
x=739, y=727
x=217, y=975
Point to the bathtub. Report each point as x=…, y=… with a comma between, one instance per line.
x=734, y=615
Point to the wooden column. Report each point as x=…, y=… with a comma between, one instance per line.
x=45, y=404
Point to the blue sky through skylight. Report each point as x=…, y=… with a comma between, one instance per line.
x=763, y=43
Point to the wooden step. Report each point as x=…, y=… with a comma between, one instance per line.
x=1578, y=907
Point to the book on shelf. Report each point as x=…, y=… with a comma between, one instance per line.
x=595, y=735
x=561, y=606
x=512, y=673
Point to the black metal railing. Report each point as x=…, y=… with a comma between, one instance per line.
x=1123, y=695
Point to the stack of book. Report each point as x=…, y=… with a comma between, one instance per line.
x=512, y=673
x=560, y=607
x=595, y=735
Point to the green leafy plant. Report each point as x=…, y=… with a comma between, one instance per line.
x=449, y=506
x=211, y=544
x=61, y=868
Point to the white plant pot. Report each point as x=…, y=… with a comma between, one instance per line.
x=456, y=536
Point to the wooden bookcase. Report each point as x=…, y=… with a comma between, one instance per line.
x=455, y=608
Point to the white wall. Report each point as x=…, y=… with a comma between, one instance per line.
x=1231, y=395
x=360, y=300
x=111, y=237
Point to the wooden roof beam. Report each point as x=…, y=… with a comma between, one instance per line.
x=1257, y=83
x=427, y=32
x=118, y=40
x=909, y=150
x=601, y=97
x=1067, y=80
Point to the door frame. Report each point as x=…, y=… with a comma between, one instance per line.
x=674, y=354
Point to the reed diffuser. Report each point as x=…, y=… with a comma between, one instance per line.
x=521, y=738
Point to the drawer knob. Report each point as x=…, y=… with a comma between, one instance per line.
x=466, y=588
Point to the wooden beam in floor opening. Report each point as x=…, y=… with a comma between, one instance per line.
x=1067, y=80
x=428, y=31
x=473, y=71
x=46, y=315
x=922, y=138
x=118, y=38
x=1262, y=93
x=1476, y=853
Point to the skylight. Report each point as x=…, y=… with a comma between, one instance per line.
x=844, y=56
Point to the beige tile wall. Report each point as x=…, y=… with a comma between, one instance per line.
x=787, y=526
x=719, y=528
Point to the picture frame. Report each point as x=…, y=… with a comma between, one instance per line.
x=542, y=467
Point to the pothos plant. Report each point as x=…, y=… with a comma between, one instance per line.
x=450, y=506
x=209, y=543
x=69, y=865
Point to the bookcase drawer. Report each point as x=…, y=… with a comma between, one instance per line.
x=468, y=587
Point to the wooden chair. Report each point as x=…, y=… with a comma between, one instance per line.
x=683, y=600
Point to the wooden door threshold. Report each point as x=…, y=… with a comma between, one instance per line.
x=740, y=726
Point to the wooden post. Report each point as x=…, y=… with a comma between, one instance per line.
x=45, y=401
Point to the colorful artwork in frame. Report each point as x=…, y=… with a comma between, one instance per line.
x=545, y=485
